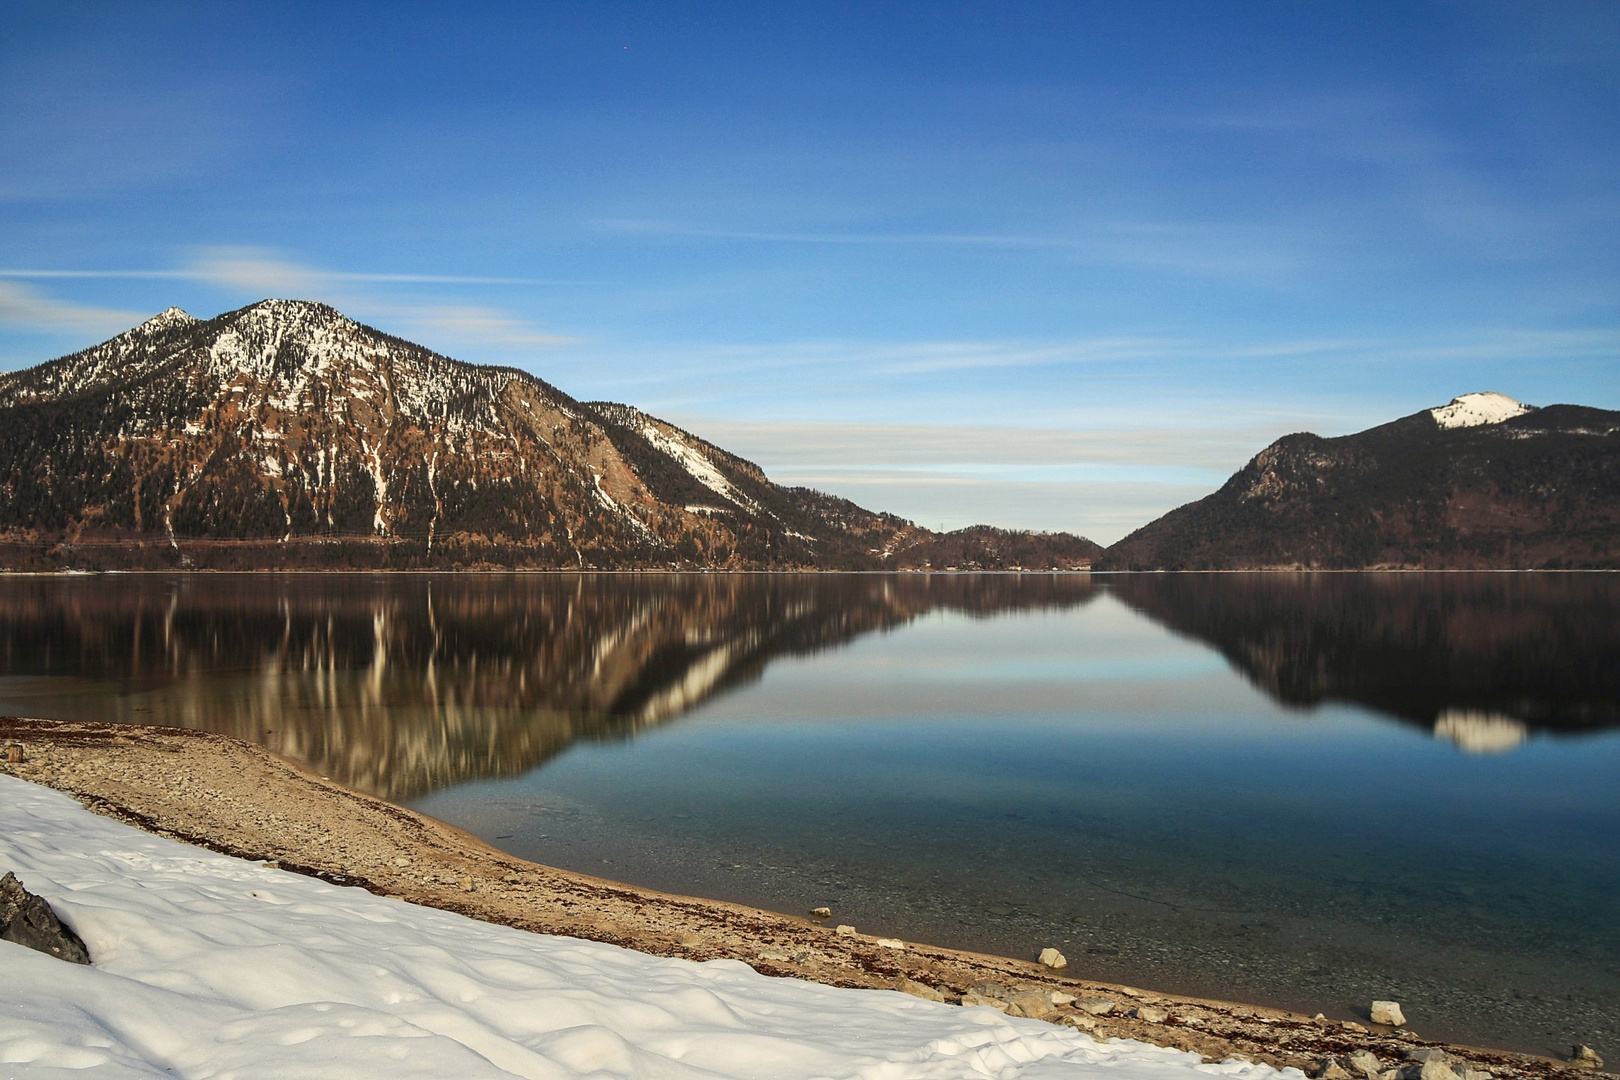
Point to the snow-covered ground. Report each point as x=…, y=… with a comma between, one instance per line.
x=208, y=966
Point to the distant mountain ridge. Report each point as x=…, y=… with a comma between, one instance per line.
x=1485, y=482
x=285, y=434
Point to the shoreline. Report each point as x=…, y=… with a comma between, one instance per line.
x=241, y=800
x=720, y=571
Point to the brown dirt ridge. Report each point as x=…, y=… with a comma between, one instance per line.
x=240, y=800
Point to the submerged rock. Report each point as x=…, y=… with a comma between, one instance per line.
x=1388, y=1012
x=29, y=921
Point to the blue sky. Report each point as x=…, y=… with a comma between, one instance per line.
x=1041, y=265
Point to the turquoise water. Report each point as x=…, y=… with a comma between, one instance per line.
x=1084, y=779
x=1306, y=790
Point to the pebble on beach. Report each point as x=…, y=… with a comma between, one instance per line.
x=1388, y=1012
x=1053, y=959
x=1584, y=1057
x=918, y=989
x=1366, y=1063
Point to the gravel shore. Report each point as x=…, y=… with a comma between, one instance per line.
x=241, y=800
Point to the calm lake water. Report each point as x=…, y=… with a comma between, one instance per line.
x=1305, y=790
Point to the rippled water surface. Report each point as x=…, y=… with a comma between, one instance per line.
x=1309, y=790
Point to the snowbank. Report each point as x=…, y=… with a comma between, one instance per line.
x=208, y=966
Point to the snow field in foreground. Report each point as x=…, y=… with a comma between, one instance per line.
x=209, y=966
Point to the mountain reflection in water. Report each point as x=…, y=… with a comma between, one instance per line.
x=401, y=685
x=1482, y=660
x=1033, y=760
x=405, y=684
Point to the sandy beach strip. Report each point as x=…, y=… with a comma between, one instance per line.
x=241, y=800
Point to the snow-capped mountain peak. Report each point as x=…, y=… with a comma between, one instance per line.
x=164, y=320
x=1475, y=410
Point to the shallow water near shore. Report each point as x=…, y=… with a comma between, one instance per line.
x=1302, y=790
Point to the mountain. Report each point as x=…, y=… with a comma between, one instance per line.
x=285, y=434
x=1485, y=482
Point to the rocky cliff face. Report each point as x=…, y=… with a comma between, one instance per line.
x=285, y=434
x=1484, y=483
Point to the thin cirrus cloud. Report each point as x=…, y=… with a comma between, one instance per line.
x=1099, y=483
x=258, y=273
x=807, y=445
x=24, y=306
x=1114, y=354
x=1236, y=250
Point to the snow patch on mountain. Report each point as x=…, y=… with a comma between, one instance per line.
x=1475, y=410
x=695, y=463
x=164, y=320
x=128, y=356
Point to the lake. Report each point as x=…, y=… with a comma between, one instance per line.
x=1307, y=790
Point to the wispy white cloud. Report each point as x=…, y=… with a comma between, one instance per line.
x=252, y=268
x=253, y=271
x=1427, y=176
x=26, y=308
x=904, y=358
x=1204, y=249
x=984, y=448
x=139, y=275
x=460, y=322
x=255, y=266
x=1099, y=483
x=259, y=273
x=1104, y=511
x=672, y=228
